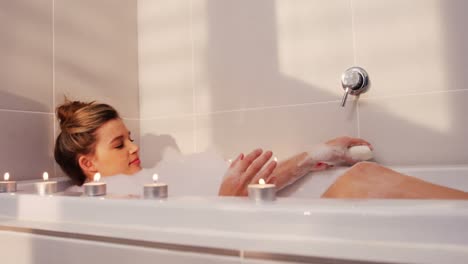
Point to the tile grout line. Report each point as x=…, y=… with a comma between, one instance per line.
x=414, y=94
x=25, y=112
x=138, y=83
x=238, y=110
x=194, y=108
x=53, y=81
x=138, y=70
x=299, y=105
x=353, y=32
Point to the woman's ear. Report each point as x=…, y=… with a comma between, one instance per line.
x=87, y=165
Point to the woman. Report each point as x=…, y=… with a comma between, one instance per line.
x=94, y=139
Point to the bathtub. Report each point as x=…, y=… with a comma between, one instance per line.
x=295, y=229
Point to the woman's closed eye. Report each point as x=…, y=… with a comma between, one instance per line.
x=120, y=145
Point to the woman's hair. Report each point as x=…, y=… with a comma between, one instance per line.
x=78, y=124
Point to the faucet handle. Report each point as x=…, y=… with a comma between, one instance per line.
x=345, y=97
x=355, y=81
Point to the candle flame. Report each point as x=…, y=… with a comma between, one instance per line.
x=155, y=177
x=6, y=176
x=275, y=159
x=261, y=181
x=97, y=177
x=229, y=160
x=45, y=176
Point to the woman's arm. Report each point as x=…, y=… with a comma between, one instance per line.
x=244, y=171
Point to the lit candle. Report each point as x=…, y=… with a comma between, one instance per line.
x=262, y=192
x=46, y=186
x=6, y=185
x=95, y=188
x=155, y=190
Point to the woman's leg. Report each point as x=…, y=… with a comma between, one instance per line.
x=370, y=180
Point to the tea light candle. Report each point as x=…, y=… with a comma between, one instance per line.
x=155, y=190
x=262, y=192
x=95, y=188
x=46, y=187
x=6, y=185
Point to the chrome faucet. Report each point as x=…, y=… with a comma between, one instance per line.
x=355, y=81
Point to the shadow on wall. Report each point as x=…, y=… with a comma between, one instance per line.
x=158, y=144
x=398, y=140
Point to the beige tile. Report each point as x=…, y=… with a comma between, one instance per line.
x=165, y=58
x=96, y=53
x=411, y=46
x=26, y=55
x=27, y=141
x=285, y=131
x=269, y=53
x=417, y=130
x=159, y=134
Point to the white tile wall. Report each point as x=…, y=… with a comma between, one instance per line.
x=426, y=129
x=26, y=55
x=266, y=74
x=84, y=49
x=269, y=53
x=165, y=58
x=96, y=53
x=159, y=134
x=402, y=45
x=217, y=69
x=285, y=131
x=27, y=144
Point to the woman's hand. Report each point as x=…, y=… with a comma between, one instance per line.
x=342, y=144
x=246, y=170
x=333, y=151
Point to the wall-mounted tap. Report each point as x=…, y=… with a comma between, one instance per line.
x=355, y=81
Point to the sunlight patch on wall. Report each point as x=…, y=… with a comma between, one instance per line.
x=165, y=58
x=314, y=41
x=403, y=45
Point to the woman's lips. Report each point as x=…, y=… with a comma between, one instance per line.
x=135, y=161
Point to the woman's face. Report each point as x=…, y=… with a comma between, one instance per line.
x=115, y=152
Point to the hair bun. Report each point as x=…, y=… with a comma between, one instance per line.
x=66, y=113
